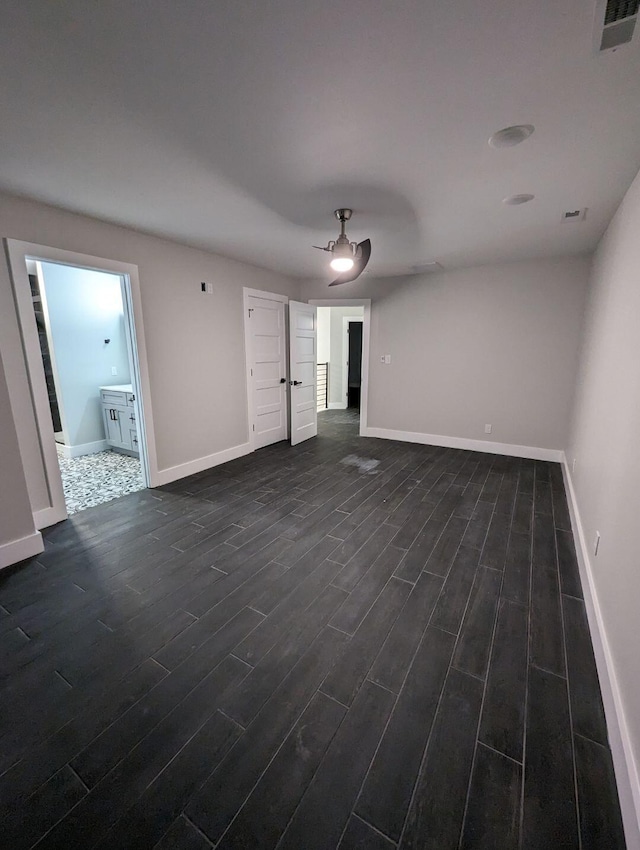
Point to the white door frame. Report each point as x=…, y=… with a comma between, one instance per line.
x=248, y=355
x=17, y=253
x=345, y=354
x=366, y=323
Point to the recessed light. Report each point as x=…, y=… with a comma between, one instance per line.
x=510, y=136
x=515, y=200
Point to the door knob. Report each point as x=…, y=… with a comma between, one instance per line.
x=283, y=380
x=296, y=383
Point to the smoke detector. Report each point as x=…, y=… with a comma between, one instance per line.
x=510, y=136
x=615, y=22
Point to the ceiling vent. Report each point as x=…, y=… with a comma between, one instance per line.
x=575, y=215
x=615, y=23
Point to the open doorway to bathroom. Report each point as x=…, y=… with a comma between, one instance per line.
x=87, y=361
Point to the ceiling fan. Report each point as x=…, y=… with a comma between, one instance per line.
x=348, y=258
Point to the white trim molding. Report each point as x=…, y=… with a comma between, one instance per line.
x=19, y=550
x=626, y=769
x=182, y=470
x=84, y=449
x=463, y=443
x=336, y=405
x=46, y=517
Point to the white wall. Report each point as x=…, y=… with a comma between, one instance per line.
x=337, y=388
x=324, y=334
x=195, y=342
x=605, y=442
x=494, y=344
x=83, y=309
x=16, y=522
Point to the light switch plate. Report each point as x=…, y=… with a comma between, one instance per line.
x=387, y=359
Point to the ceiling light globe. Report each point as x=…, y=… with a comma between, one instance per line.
x=342, y=264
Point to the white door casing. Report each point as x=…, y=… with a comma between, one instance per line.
x=366, y=324
x=47, y=473
x=303, y=346
x=266, y=356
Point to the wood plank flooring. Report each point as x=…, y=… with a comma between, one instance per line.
x=292, y=651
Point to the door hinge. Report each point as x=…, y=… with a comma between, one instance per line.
x=253, y=427
x=251, y=309
x=251, y=370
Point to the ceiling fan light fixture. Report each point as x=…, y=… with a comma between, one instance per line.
x=349, y=259
x=341, y=264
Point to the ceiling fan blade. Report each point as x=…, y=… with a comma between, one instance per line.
x=320, y=248
x=364, y=249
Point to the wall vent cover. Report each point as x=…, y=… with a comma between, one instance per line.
x=618, y=10
x=615, y=23
x=574, y=215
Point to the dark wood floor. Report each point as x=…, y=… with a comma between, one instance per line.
x=294, y=651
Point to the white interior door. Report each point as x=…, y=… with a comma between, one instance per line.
x=303, y=347
x=267, y=367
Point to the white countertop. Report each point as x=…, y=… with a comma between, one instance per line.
x=119, y=388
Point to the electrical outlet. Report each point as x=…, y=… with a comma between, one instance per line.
x=114, y=370
x=487, y=429
x=382, y=358
x=387, y=359
x=203, y=287
x=596, y=544
x=209, y=289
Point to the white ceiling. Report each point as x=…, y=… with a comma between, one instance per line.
x=240, y=125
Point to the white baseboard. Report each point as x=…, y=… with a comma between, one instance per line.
x=337, y=405
x=19, y=550
x=626, y=769
x=464, y=443
x=182, y=470
x=48, y=516
x=84, y=448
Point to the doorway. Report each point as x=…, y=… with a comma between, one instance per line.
x=343, y=344
x=79, y=338
x=79, y=314
x=325, y=371
x=352, y=346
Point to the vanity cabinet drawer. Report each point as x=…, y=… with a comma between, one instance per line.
x=114, y=397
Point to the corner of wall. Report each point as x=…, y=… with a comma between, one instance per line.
x=626, y=769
